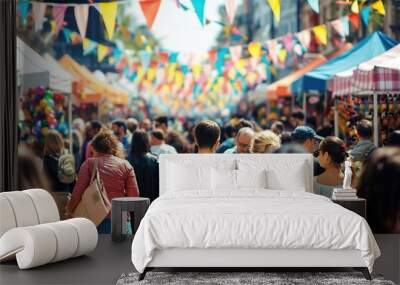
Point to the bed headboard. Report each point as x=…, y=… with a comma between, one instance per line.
x=283, y=163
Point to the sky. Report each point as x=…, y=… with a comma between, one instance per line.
x=180, y=30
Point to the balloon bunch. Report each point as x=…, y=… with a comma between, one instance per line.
x=42, y=110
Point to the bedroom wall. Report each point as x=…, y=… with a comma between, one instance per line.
x=389, y=262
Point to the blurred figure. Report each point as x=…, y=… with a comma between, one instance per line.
x=53, y=150
x=79, y=125
x=230, y=142
x=331, y=155
x=116, y=174
x=311, y=121
x=158, y=145
x=243, y=141
x=92, y=128
x=77, y=141
x=290, y=148
x=207, y=136
x=364, y=147
x=145, y=165
x=132, y=124
x=379, y=184
x=120, y=129
x=265, y=142
x=325, y=131
x=297, y=119
x=228, y=131
x=394, y=139
x=278, y=127
x=161, y=122
x=286, y=138
x=146, y=125
x=177, y=141
x=307, y=137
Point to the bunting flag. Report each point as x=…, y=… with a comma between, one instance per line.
x=89, y=46
x=341, y=26
x=230, y=6
x=314, y=5
x=379, y=7
x=145, y=58
x=67, y=35
x=23, y=6
x=58, y=16
x=365, y=15
x=288, y=42
x=150, y=10
x=235, y=52
x=254, y=49
x=276, y=8
x=38, y=10
x=354, y=7
x=108, y=11
x=102, y=52
x=81, y=16
x=346, y=25
x=354, y=20
x=304, y=38
x=198, y=6
x=321, y=34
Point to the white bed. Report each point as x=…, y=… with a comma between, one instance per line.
x=237, y=221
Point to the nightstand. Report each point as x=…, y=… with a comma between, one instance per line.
x=357, y=205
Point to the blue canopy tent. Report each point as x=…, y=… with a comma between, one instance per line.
x=373, y=45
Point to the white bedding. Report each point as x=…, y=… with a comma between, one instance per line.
x=252, y=218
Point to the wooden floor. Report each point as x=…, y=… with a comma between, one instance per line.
x=103, y=266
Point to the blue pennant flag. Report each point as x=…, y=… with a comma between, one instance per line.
x=198, y=6
x=365, y=15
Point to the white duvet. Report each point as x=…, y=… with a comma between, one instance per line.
x=250, y=219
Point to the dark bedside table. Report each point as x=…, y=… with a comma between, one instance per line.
x=357, y=205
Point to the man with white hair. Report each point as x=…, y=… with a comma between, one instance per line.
x=243, y=141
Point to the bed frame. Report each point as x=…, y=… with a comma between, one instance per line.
x=249, y=259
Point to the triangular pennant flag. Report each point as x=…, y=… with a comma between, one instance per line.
x=288, y=42
x=305, y=38
x=282, y=55
x=88, y=46
x=38, y=10
x=276, y=8
x=198, y=6
x=236, y=52
x=314, y=5
x=354, y=7
x=338, y=26
x=321, y=34
x=58, y=16
x=173, y=57
x=254, y=49
x=150, y=10
x=379, y=7
x=355, y=20
x=67, y=34
x=365, y=15
x=102, y=52
x=145, y=58
x=81, y=17
x=23, y=7
x=230, y=6
x=346, y=25
x=109, y=12
x=212, y=55
x=53, y=26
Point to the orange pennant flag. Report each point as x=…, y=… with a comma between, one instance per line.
x=354, y=20
x=150, y=10
x=321, y=34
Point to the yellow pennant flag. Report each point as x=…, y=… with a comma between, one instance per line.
x=276, y=8
x=102, y=52
x=255, y=49
x=354, y=7
x=321, y=34
x=109, y=12
x=282, y=55
x=379, y=7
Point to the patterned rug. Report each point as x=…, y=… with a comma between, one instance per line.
x=230, y=278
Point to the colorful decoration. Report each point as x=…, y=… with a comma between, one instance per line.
x=230, y=6
x=81, y=17
x=276, y=8
x=321, y=34
x=314, y=5
x=38, y=10
x=108, y=11
x=365, y=15
x=58, y=16
x=379, y=7
x=150, y=10
x=198, y=6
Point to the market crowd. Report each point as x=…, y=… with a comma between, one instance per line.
x=126, y=154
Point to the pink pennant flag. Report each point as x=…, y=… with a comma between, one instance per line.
x=273, y=50
x=236, y=52
x=339, y=27
x=81, y=17
x=38, y=10
x=230, y=6
x=305, y=38
x=58, y=15
x=288, y=42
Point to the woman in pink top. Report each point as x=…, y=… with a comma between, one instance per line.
x=116, y=173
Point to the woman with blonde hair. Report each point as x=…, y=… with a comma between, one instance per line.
x=116, y=173
x=265, y=142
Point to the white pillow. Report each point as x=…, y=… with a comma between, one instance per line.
x=188, y=177
x=251, y=178
x=224, y=179
x=291, y=180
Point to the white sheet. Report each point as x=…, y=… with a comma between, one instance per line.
x=254, y=218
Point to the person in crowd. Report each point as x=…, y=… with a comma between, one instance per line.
x=228, y=131
x=243, y=141
x=297, y=119
x=92, y=128
x=265, y=142
x=379, y=184
x=30, y=171
x=311, y=121
x=325, y=131
x=331, y=156
x=177, y=141
x=158, y=145
x=79, y=125
x=278, y=127
x=364, y=147
x=77, y=142
x=145, y=165
x=132, y=124
x=286, y=138
x=207, y=135
x=120, y=130
x=117, y=174
x=230, y=142
x=161, y=122
x=307, y=137
x=394, y=139
x=290, y=148
x=53, y=150
x=146, y=125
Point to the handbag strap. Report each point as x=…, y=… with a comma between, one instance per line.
x=95, y=169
